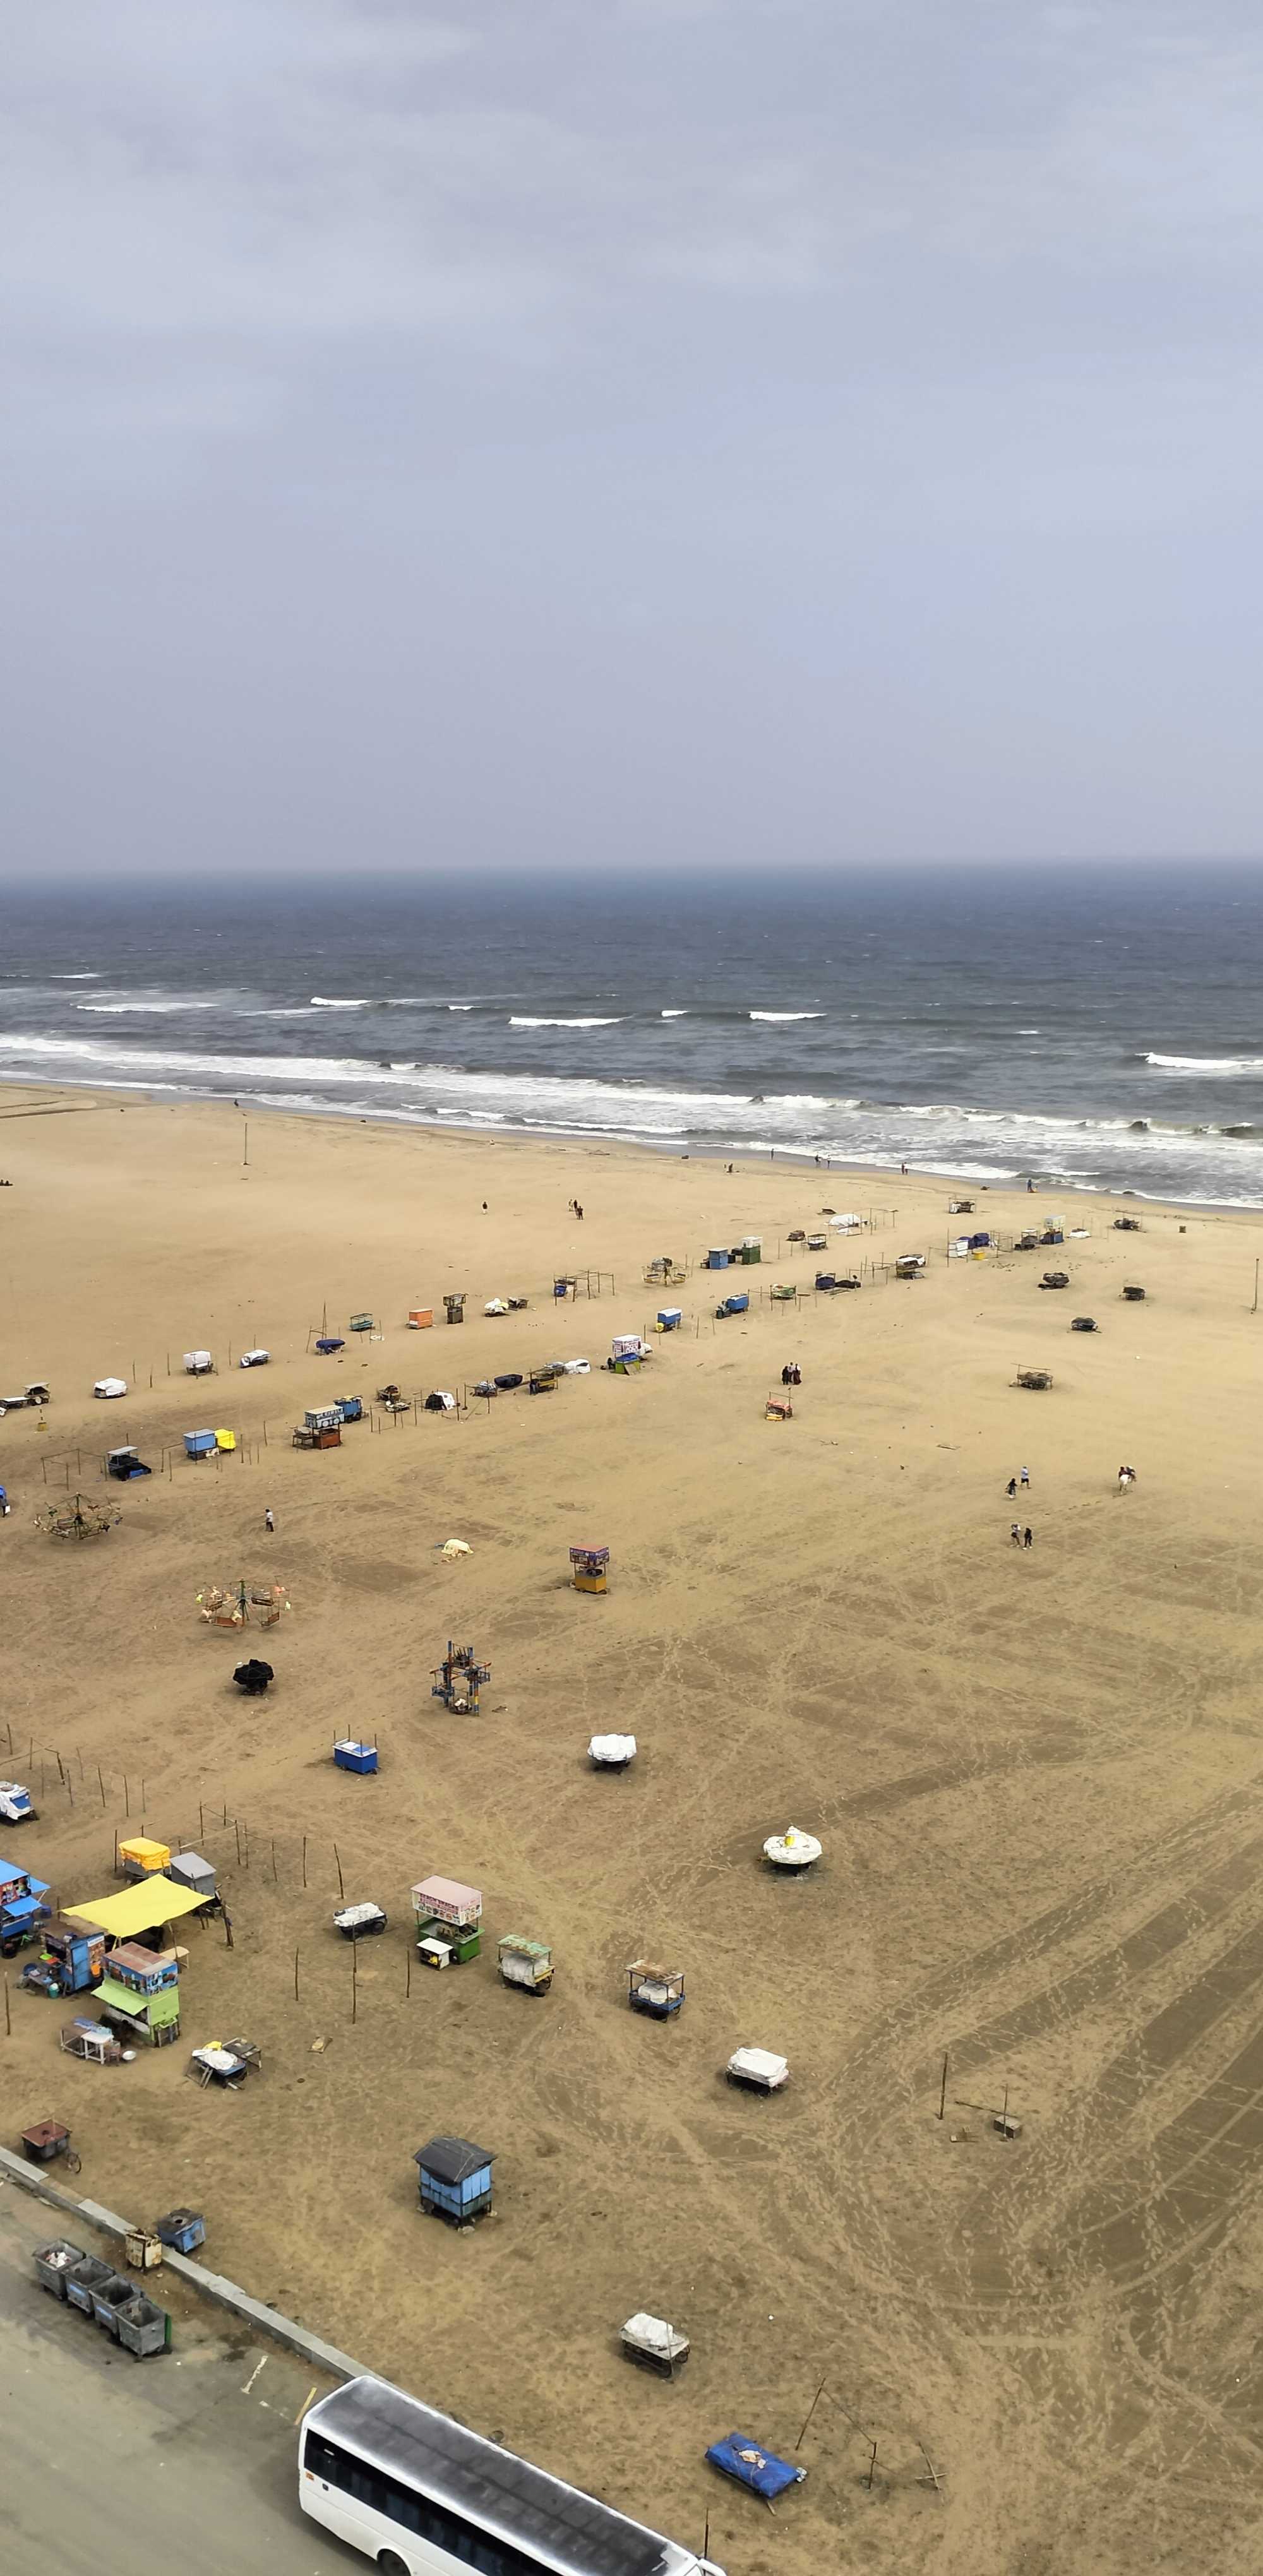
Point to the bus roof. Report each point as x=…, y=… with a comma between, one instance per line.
x=568, y=2531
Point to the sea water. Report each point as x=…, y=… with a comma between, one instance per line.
x=1100, y=1029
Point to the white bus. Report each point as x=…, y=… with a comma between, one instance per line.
x=424, y=2497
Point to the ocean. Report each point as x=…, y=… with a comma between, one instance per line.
x=1098, y=1029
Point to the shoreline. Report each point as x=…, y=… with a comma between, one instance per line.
x=788, y=1157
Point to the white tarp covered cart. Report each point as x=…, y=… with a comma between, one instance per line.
x=653, y=2344
x=791, y=1850
x=758, y=2070
x=611, y=1752
x=198, y=1364
x=525, y=1963
x=108, y=1386
x=353, y=1921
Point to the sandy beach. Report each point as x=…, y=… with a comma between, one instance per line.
x=1037, y=1776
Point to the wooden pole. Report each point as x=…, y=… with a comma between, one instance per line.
x=304, y=1860
x=942, y=2098
x=810, y=2412
x=100, y=1784
x=355, y=1971
x=407, y=1983
x=295, y=1976
x=338, y=1866
x=8, y=2019
x=872, y=2463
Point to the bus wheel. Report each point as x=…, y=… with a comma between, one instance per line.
x=390, y=2565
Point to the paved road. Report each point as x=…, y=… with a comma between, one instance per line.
x=110, y=2462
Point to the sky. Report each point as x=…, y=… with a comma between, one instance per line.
x=628, y=434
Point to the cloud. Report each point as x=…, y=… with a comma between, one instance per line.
x=624, y=382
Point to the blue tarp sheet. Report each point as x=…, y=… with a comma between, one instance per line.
x=747, y=2461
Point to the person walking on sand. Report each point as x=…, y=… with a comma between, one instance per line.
x=578, y=1211
x=1015, y=1534
x=269, y=1520
x=1011, y=1487
x=1026, y=1476
x=1028, y=1536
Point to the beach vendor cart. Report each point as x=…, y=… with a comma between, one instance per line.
x=611, y=1752
x=590, y=1568
x=448, y=1919
x=655, y=1990
x=139, y=1858
x=355, y=1921
x=71, y=1960
x=454, y=2179
x=654, y=2345
x=23, y=1910
x=139, y=1995
x=793, y=1851
x=757, y=2070
x=528, y=1964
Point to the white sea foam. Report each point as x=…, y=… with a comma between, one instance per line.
x=146, y=1010
x=673, y=1015
x=952, y=1138
x=323, y=1002
x=1205, y=1063
x=787, y=1015
x=520, y=1021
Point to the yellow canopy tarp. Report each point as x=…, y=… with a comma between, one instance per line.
x=139, y=1909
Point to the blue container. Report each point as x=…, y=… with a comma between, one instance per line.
x=716, y=1260
x=199, y=1444
x=454, y=2178
x=561, y=1287
x=736, y=1305
x=355, y=1757
x=183, y=2229
x=350, y=1408
x=670, y=1318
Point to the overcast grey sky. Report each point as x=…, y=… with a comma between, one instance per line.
x=647, y=431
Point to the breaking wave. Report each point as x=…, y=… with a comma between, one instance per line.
x=1158, y=1161
x=1205, y=1063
